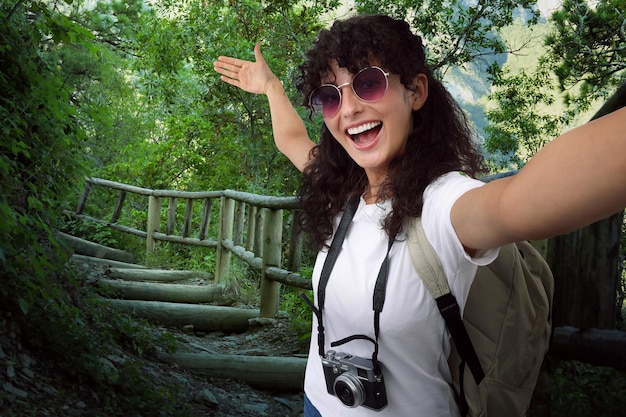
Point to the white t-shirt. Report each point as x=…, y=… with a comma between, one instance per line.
x=413, y=341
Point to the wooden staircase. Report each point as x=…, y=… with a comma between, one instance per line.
x=188, y=300
x=185, y=299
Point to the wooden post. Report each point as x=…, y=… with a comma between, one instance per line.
x=294, y=258
x=222, y=262
x=272, y=249
x=250, y=236
x=171, y=216
x=154, y=220
x=118, y=207
x=188, y=217
x=206, y=218
x=240, y=217
x=83, y=198
x=259, y=234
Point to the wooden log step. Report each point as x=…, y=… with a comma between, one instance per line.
x=600, y=347
x=84, y=247
x=264, y=372
x=174, y=293
x=156, y=275
x=203, y=318
x=76, y=258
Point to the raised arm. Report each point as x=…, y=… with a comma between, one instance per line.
x=577, y=179
x=290, y=134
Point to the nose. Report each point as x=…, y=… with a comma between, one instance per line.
x=350, y=103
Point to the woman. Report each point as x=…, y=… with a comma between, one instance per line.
x=393, y=137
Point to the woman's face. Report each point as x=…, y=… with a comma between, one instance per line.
x=374, y=133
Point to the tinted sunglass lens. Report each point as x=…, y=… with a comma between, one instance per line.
x=370, y=84
x=326, y=99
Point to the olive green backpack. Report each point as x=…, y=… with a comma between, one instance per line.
x=506, y=327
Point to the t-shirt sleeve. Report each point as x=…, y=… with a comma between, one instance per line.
x=459, y=267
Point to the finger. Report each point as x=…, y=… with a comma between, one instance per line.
x=230, y=81
x=219, y=69
x=223, y=73
x=231, y=71
x=225, y=67
x=230, y=60
x=257, y=53
x=226, y=73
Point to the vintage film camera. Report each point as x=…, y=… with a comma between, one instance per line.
x=353, y=380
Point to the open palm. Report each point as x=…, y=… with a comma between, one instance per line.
x=253, y=77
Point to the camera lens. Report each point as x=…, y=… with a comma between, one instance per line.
x=349, y=390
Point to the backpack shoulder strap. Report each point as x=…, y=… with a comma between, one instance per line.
x=429, y=268
x=425, y=260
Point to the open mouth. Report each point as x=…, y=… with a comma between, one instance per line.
x=365, y=133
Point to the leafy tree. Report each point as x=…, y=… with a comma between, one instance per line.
x=40, y=147
x=225, y=134
x=42, y=144
x=102, y=85
x=521, y=122
x=201, y=123
x=456, y=32
x=464, y=43
x=584, y=61
x=587, y=50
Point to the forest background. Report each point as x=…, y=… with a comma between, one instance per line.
x=124, y=90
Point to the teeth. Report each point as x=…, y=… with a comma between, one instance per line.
x=363, y=128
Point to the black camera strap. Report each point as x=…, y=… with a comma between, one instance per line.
x=379, y=289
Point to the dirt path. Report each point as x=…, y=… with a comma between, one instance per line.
x=31, y=384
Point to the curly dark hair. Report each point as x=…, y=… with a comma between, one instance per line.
x=441, y=140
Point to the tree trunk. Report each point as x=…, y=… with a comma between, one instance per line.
x=202, y=317
x=264, y=372
x=174, y=293
x=585, y=263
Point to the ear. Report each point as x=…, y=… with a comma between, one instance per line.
x=420, y=93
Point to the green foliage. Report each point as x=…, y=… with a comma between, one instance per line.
x=579, y=390
x=41, y=164
x=94, y=232
x=109, y=107
x=588, y=49
x=184, y=257
x=456, y=32
x=127, y=89
x=40, y=146
x=299, y=312
x=209, y=135
x=520, y=123
x=70, y=324
x=580, y=62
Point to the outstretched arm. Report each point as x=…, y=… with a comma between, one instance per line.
x=573, y=181
x=290, y=134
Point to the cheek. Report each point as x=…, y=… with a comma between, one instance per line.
x=402, y=114
x=333, y=128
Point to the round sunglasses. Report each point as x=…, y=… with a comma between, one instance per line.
x=369, y=85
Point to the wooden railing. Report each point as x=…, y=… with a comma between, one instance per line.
x=250, y=227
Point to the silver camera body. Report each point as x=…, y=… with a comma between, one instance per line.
x=353, y=380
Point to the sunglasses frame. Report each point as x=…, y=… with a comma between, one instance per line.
x=351, y=84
